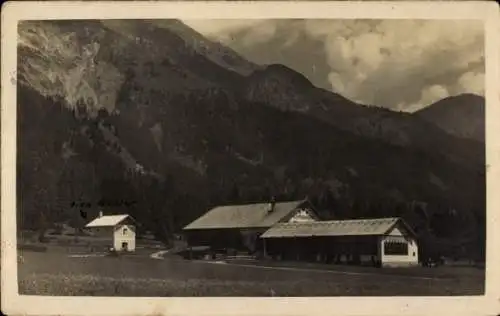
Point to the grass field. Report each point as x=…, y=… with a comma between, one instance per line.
x=58, y=274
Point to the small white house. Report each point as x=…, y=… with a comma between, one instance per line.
x=113, y=231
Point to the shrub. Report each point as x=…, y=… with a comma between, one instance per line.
x=113, y=253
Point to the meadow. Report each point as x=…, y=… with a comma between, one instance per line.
x=51, y=273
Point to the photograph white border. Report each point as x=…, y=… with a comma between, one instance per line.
x=13, y=304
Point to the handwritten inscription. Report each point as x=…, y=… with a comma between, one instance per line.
x=103, y=203
x=83, y=214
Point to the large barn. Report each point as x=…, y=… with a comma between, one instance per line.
x=239, y=227
x=384, y=242
x=293, y=231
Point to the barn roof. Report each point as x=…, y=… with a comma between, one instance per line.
x=359, y=227
x=107, y=220
x=244, y=216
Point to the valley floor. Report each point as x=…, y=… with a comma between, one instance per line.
x=52, y=273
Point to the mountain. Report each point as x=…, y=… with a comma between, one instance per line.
x=288, y=90
x=462, y=116
x=92, y=62
x=214, y=51
x=137, y=110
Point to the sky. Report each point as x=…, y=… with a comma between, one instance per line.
x=403, y=65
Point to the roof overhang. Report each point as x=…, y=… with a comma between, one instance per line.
x=333, y=229
x=110, y=224
x=193, y=227
x=406, y=226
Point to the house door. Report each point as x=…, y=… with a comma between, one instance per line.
x=125, y=246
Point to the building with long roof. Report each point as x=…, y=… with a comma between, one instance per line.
x=239, y=227
x=385, y=241
x=293, y=231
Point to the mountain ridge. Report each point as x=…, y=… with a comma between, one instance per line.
x=462, y=116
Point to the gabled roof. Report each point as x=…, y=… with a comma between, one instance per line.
x=360, y=227
x=244, y=216
x=108, y=220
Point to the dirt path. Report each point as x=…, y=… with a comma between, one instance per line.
x=159, y=254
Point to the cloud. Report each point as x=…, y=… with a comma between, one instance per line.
x=399, y=64
x=223, y=29
x=472, y=81
x=428, y=96
x=260, y=33
x=222, y=26
x=394, y=62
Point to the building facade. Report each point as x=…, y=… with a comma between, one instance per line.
x=238, y=227
x=385, y=242
x=113, y=232
x=398, y=247
x=293, y=231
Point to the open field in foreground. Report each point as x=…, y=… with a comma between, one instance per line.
x=58, y=274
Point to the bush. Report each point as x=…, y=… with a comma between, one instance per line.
x=113, y=253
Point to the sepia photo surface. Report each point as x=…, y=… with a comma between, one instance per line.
x=237, y=157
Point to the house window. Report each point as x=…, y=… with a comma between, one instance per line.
x=125, y=231
x=396, y=248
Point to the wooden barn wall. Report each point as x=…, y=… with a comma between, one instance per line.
x=310, y=247
x=219, y=239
